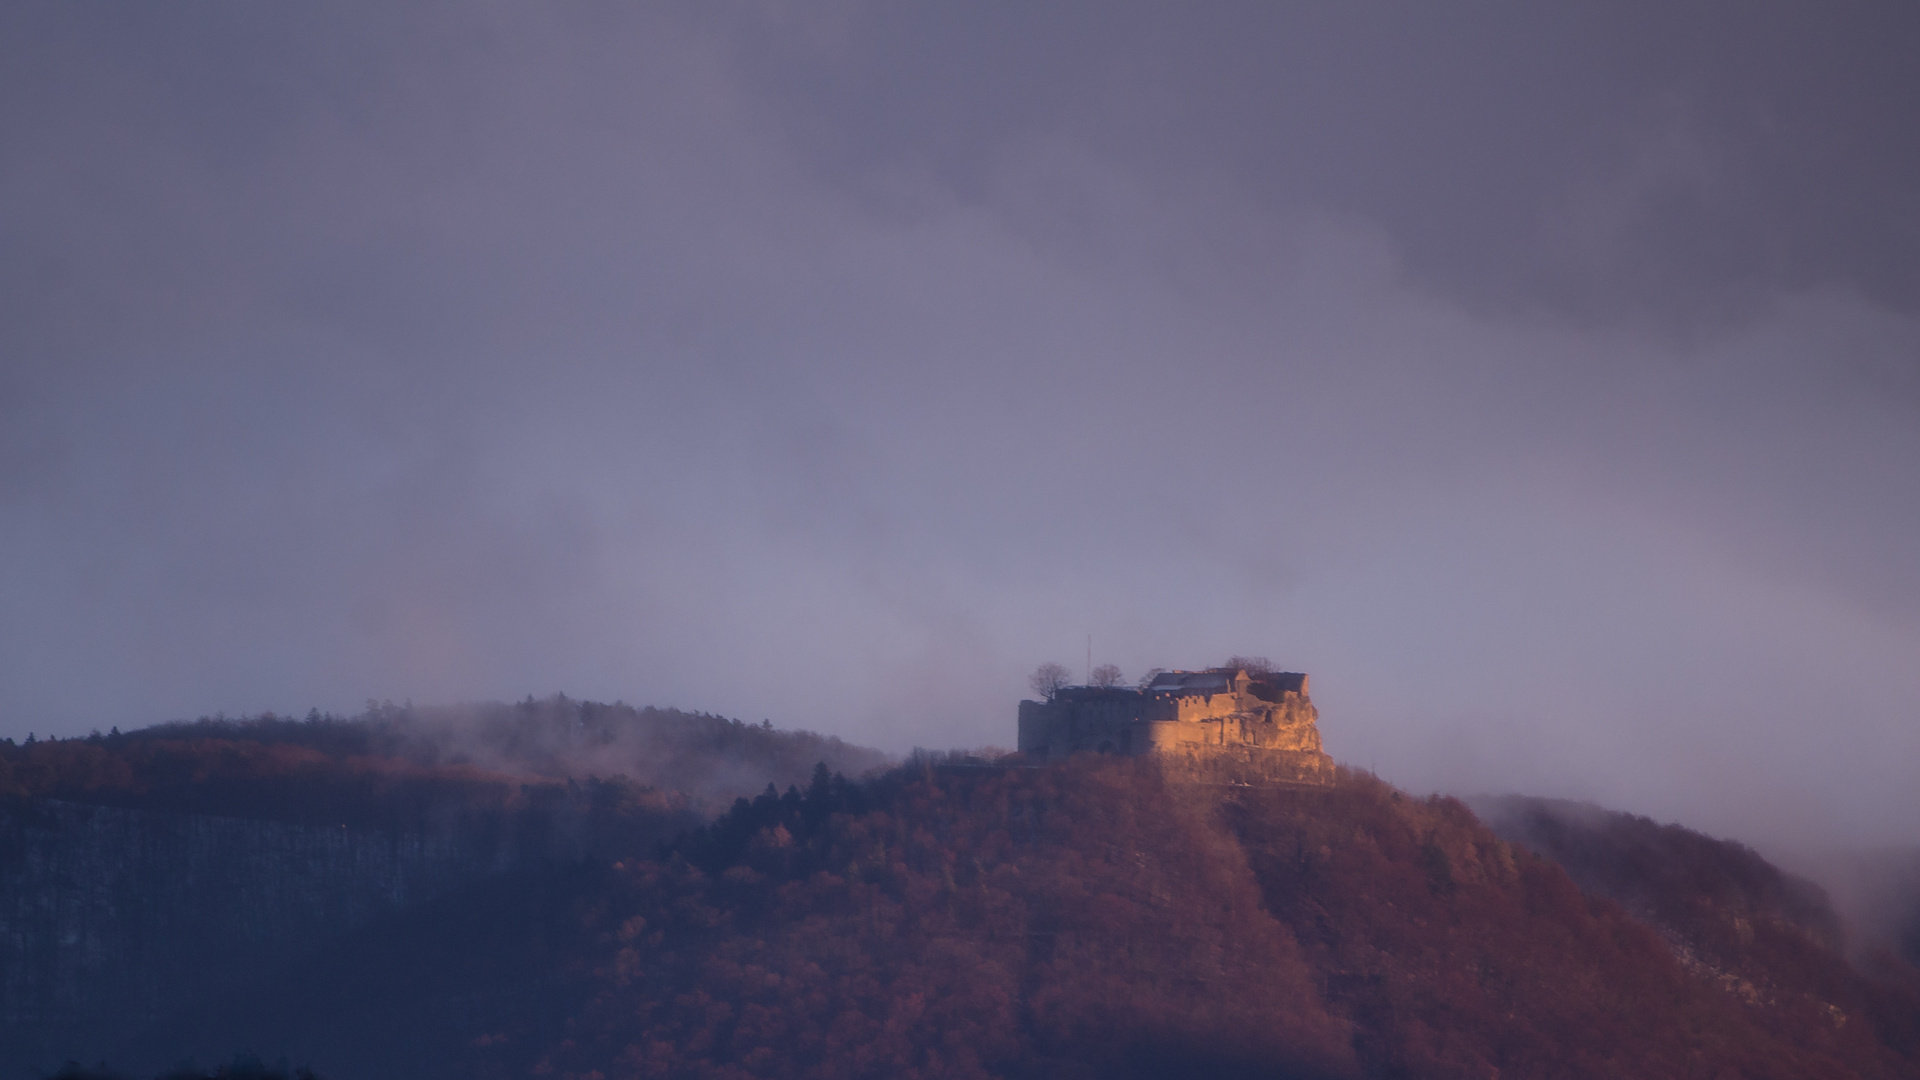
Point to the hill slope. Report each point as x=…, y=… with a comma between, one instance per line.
x=1092, y=920
x=1085, y=919
x=152, y=882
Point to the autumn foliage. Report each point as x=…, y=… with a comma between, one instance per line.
x=955, y=918
x=1093, y=920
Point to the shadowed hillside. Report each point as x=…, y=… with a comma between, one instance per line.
x=148, y=880
x=1087, y=919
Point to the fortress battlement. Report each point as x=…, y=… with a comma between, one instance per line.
x=1228, y=713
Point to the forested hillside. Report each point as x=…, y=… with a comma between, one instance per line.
x=391, y=764
x=151, y=882
x=1091, y=920
x=944, y=918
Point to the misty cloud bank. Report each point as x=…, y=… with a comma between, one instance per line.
x=1544, y=383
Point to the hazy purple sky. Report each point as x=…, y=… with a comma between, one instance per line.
x=1544, y=379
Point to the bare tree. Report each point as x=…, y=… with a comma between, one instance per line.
x=1106, y=676
x=1255, y=666
x=1147, y=679
x=1048, y=678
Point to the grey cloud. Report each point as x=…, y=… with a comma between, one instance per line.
x=1541, y=381
x=1603, y=161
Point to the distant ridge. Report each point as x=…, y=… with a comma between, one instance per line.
x=186, y=765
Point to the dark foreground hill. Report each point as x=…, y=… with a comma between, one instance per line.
x=1090, y=919
x=150, y=879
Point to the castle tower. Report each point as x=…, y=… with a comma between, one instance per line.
x=1219, y=717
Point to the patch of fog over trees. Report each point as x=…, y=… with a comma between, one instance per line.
x=156, y=884
x=709, y=758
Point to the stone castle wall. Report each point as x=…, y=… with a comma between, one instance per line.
x=1256, y=724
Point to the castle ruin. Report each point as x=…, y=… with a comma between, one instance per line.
x=1229, y=719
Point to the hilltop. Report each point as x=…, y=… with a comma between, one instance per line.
x=264, y=765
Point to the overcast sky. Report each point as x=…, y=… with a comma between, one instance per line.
x=1543, y=379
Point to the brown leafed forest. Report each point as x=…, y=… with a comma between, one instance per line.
x=1093, y=920
x=945, y=918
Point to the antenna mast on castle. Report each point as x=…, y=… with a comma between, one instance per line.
x=1089, y=681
